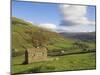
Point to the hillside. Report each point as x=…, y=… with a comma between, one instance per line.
x=21, y=39
x=56, y=43
x=84, y=36
x=64, y=53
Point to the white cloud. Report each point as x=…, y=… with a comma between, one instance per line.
x=74, y=15
x=30, y=22
x=77, y=28
x=48, y=26
x=73, y=20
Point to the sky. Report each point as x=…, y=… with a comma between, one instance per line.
x=56, y=17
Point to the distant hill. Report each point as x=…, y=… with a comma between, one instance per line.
x=85, y=36
x=57, y=43
x=20, y=36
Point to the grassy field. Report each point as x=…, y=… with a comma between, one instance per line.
x=56, y=43
x=57, y=63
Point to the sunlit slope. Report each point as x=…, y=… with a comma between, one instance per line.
x=20, y=36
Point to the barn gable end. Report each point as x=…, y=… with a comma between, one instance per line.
x=35, y=55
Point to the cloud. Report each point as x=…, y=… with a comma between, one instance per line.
x=30, y=22
x=77, y=28
x=73, y=19
x=74, y=15
x=48, y=26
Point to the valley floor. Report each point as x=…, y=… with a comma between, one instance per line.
x=84, y=61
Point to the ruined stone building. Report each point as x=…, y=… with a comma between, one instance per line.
x=35, y=55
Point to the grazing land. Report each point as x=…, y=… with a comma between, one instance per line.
x=65, y=53
x=63, y=63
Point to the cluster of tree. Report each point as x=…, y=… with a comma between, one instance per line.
x=81, y=45
x=38, y=38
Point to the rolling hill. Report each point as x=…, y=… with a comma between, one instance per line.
x=20, y=36
x=62, y=55
x=83, y=36
x=56, y=42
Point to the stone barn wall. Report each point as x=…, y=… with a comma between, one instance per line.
x=35, y=55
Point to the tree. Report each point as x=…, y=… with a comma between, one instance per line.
x=81, y=45
x=38, y=38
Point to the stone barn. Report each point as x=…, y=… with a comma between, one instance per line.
x=35, y=55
